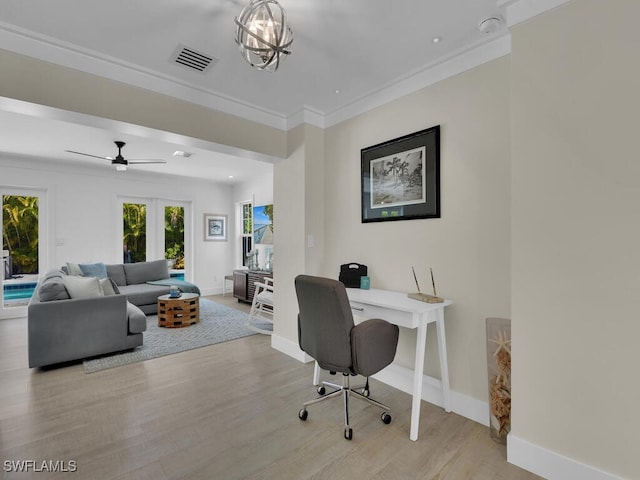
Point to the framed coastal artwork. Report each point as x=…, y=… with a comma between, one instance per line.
x=215, y=227
x=400, y=178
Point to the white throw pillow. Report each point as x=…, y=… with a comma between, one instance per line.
x=107, y=286
x=73, y=269
x=83, y=287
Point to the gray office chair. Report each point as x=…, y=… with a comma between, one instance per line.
x=327, y=333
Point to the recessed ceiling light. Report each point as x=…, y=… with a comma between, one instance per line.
x=180, y=153
x=230, y=176
x=436, y=39
x=337, y=92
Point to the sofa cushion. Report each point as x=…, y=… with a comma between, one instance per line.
x=143, y=293
x=98, y=270
x=137, y=319
x=116, y=273
x=146, y=271
x=82, y=287
x=52, y=288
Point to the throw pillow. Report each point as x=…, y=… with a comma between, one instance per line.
x=108, y=286
x=98, y=270
x=83, y=287
x=52, y=289
x=73, y=269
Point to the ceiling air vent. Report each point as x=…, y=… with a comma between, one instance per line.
x=192, y=59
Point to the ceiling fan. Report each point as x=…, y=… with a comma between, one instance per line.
x=119, y=161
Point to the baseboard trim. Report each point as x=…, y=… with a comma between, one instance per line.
x=536, y=459
x=402, y=378
x=289, y=348
x=549, y=464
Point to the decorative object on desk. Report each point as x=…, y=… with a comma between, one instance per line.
x=350, y=274
x=400, y=178
x=499, y=370
x=425, y=297
x=215, y=227
x=174, y=292
x=365, y=282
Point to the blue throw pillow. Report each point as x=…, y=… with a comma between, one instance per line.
x=98, y=270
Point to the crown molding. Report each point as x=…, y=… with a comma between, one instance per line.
x=447, y=67
x=61, y=53
x=519, y=11
x=54, y=51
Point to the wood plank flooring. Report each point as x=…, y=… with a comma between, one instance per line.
x=227, y=411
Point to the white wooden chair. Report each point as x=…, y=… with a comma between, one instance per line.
x=261, y=313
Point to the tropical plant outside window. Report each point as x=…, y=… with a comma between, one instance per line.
x=134, y=232
x=174, y=235
x=20, y=232
x=247, y=230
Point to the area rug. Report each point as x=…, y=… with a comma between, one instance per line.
x=218, y=323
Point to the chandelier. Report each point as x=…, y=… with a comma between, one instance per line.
x=263, y=34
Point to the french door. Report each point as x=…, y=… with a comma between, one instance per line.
x=24, y=238
x=155, y=228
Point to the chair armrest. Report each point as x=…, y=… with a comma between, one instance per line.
x=263, y=286
x=373, y=345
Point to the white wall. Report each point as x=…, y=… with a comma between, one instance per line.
x=84, y=212
x=576, y=240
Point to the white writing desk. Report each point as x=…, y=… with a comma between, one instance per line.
x=397, y=308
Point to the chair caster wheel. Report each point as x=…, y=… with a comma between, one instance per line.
x=303, y=414
x=348, y=433
x=386, y=418
x=322, y=390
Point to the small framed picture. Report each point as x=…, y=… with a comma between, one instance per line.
x=215, y=227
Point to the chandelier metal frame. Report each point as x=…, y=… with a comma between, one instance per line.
x=263, y=34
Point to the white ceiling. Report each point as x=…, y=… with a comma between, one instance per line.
x=343, y=52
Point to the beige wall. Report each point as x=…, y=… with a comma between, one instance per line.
x=468, y=247
x=576, y=233
x=38, y=82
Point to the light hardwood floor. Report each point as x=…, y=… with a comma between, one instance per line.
x=222, y=412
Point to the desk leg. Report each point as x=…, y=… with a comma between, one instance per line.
x=444, y=368
x=418, y=370
x=316, y=374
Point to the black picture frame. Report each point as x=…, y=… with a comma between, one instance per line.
x=400, y=178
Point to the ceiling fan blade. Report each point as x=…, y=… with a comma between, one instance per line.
x=89, y=155
x=142, y=162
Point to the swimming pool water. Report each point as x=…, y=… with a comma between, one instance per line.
x=20, y=291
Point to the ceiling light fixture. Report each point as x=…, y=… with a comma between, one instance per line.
x=263, y=34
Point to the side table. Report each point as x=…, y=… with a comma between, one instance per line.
x=179, y=312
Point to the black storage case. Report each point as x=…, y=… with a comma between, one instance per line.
x=350, y=274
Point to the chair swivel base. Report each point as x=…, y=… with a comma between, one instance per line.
x=345, y=391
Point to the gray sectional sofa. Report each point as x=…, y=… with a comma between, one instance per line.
x=71, y=317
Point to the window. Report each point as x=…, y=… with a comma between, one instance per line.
x=247, y=230
x=134, y=238
x=23, y=254
x=174, y=236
